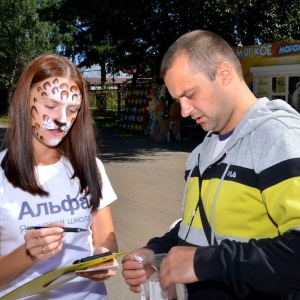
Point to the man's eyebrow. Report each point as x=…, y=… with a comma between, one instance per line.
x=183, y=94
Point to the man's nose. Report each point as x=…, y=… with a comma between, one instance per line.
x=186, y=108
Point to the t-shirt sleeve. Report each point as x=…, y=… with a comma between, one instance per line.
x=108, y=193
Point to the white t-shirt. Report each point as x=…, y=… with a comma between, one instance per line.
x=222, y=141
x=19, y=210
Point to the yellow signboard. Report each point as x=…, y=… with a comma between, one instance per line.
x=276, y=54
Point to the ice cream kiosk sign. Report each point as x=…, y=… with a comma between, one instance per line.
x=271, y=70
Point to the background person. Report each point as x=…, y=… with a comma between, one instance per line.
x=50, y=176
x=239, y=236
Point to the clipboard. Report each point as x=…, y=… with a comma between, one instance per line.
x=43, y=283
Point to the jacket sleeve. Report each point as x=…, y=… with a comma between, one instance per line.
x=267, y=265
x=165, y=243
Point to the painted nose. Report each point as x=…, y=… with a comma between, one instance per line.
x=59, y=124
x=61, y=119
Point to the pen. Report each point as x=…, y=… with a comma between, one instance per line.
x=66, y=229
x=92, y=257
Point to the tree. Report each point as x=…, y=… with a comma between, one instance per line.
x=132, y=35
x=23, y=36
x=81, y=30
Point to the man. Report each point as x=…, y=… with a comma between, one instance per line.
x=239, y=235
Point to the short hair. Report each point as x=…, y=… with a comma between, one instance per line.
x=205, y=52
x=79, y=145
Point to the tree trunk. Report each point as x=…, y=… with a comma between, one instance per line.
x=103, y=70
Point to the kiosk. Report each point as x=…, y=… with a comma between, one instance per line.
x=272, y=70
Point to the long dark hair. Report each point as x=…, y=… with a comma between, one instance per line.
x=79, y=145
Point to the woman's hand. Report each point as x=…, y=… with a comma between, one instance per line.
x=101, y=275
x=44, y=243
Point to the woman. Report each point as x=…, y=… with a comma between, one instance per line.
x=50, y=177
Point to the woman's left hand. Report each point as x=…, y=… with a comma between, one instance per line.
x=101, y=275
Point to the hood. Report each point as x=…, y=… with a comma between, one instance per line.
x=262, y=111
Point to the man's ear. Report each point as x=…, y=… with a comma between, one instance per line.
x=225, y=73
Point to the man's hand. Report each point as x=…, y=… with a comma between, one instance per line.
x=178, y=267
x=134, y=271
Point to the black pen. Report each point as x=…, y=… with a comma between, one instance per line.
x=66, y=229
x=92, y=257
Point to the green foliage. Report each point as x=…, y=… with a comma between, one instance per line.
x=4, y=119
x=134, y=35
x=105, y=100
x=22, y=37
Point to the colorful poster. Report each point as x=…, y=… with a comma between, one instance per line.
x=280, y=84
x=262, y=87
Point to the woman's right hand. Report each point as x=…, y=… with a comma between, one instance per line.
x=44, y=243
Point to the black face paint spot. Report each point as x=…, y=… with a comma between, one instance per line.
x=35, y=129
x=39, y=89
x=63, y=86
x=73, y=89
x=75, y=97
x=64, y=94
x=33, y=110
x=44, y=94
x=54, y=90
x=47, y=84
x=46, y=123
x=55, y=81
x=34, y=100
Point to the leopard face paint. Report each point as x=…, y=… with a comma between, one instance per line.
x=54, y=105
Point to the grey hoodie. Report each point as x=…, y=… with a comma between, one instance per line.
x=251, y=198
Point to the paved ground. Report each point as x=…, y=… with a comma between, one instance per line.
x=148, y=179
